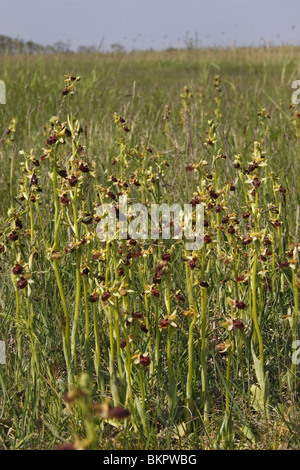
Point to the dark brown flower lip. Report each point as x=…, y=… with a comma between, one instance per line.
x=87, y=218
x=253, y=166
x=189, y=168
x=166, y=257
x=85, y=271
x=93, y=298
x=22, y=283
x=83, y=167
x=180, y=298
x=137, y=315
x=284, y=264
x=66, y=446
x=52, y=140
x=13, y=236
x=62, y=173
x=240, y=304
x=214, y=194
x=119, y=412
x=192, y=263
x=238, y=324
x=18, y=269
x=105, y=296
x=247, y=241
x=111, y=195
x=68, y=133
x=204, y=284
x=207, y=239
x=64, y=200
x=256, y=183
x=34, y=180
x=154, y=292
x=164, y=324
x=195, y=201
x=73, y=180
x=144, y=361
x=19, y=224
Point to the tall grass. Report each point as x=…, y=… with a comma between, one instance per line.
x=142, y=344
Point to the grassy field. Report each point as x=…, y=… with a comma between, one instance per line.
x=144, y=344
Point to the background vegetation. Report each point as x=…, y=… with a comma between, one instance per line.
x=210, y=383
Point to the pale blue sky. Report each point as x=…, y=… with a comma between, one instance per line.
x=156, y=24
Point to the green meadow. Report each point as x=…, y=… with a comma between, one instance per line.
x=143, y=344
